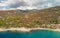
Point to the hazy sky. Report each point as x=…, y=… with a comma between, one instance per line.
x=28, y=4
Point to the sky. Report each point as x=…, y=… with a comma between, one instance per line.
x=27, y=4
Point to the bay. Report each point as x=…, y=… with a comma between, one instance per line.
x=32, y=34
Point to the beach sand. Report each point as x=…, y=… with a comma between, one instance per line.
x=23, y=29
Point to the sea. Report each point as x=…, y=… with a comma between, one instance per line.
x=32, y=34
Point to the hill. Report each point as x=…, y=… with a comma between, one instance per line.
x=29, y=18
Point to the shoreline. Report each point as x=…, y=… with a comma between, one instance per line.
x=23, y=29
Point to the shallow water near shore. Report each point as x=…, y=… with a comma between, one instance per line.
x=32, y=34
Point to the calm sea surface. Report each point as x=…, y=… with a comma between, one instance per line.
x=34, y=34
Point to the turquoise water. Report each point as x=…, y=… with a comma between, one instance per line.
x=34, y=34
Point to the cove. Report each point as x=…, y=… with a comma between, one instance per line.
x=33, y=34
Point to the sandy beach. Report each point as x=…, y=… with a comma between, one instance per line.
x=23, y=29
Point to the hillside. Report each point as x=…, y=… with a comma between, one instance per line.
x=29, y=18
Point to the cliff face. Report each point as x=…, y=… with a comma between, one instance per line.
x=32, y=17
